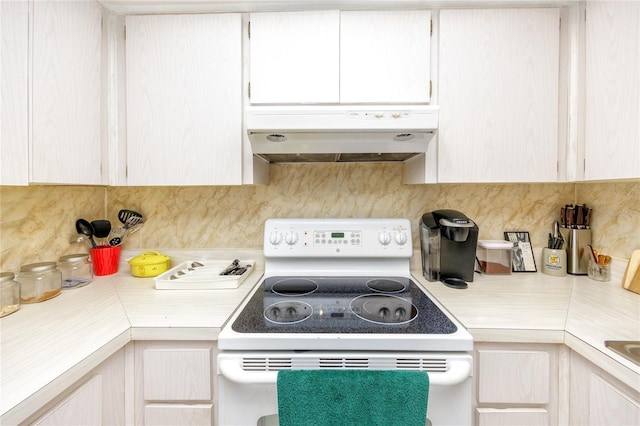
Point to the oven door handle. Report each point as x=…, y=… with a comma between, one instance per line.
x=231, y=369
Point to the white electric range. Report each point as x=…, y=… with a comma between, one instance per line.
x=338, y=293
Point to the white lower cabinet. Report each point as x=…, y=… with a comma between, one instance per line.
x=97, y=399
x=516, y=384
x=598, y=399
x=174, y=382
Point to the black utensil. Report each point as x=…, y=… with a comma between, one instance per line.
x=101, y=228
x=84, y=227
x=124, y=215
x=131, y=225
x=231, y=267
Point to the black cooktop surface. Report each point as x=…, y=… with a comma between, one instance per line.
x=341, y=305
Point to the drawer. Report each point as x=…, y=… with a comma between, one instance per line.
x=512, y=416
x=513, y=376
x=175, y=374
x=176, y=415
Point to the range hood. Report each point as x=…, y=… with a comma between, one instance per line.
x=340, y=133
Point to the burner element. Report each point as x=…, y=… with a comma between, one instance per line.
x=289, y=312
x=384, y=309
x=294, y=287
x=385, y=285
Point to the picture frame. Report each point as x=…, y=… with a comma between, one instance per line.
x=522, y=259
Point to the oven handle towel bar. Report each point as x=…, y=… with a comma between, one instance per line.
x=231, y=369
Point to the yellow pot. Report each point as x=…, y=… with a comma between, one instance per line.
x=149, y=264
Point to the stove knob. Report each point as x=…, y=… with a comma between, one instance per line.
x=292, y=312
x=291, y=238
x=383, y=313
x=384, y=237
x=401, y=238
x=400, y=314
x=275, y=238
x=275, y=312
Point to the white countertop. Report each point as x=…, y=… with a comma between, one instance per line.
x=46, y=347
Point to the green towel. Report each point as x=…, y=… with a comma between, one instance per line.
x=352, y=397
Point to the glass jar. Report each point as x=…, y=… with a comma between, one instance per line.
x=9, y=294
x=76, y=270
x=39, y=282
x=599, y=272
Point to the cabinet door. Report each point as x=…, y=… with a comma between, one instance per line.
x=498, y=95
x=612, y=90
x=66, y=145
x=609, y=406
x=598, y=399
x=14, y=134
x=385, y=56
x=184, y=99
x=98, y=398
x=83, y=407
x=295, y=57
x=174, y=383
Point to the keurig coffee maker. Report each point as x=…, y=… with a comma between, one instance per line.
x=448, y=241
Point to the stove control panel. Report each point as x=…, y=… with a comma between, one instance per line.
x=338, y=238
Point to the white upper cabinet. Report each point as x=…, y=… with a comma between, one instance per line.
x=385, y=56
x=612, y=90
x=14, y=131
x=333, y=57
x=51, y=87
x=184, y=99
x=498, y=95
x=66, y=81
x=294, y=57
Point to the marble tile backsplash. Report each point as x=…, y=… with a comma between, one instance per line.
x=37, y=221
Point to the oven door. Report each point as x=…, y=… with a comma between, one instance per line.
x=247, y=381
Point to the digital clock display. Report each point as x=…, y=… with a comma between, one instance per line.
x=337, y=235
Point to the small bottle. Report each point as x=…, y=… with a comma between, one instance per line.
x=76, y=270
x=9, y=294
x=39, y=282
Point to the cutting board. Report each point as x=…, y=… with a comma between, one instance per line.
x=631, y=278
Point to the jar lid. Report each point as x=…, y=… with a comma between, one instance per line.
x=495, y=244
x=38, y=267
x=149, y=257
x=74, y=258
x=6, y=277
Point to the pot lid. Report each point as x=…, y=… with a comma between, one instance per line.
x=149, y=257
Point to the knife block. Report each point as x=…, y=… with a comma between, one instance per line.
x=631, y=277
x=578, y=251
